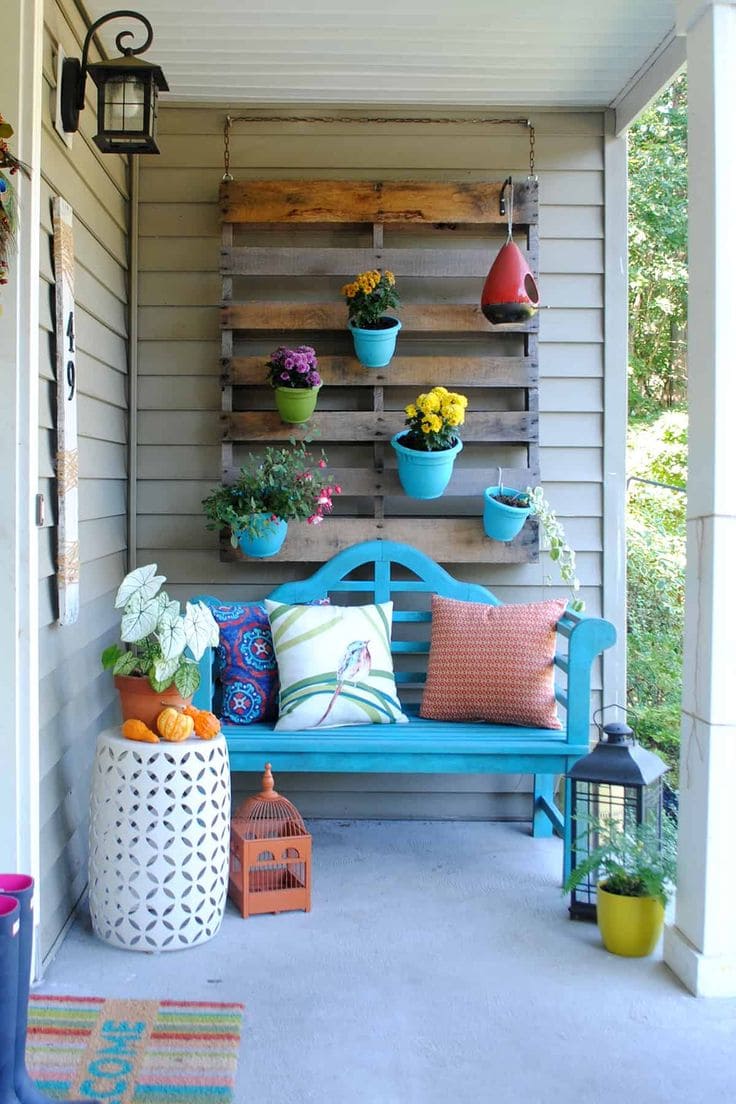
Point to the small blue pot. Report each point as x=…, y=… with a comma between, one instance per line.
x=267, y=540
x=424, y=474
x=374, y=348
x=501, y=522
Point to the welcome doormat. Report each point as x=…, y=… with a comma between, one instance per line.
x=133, y=1051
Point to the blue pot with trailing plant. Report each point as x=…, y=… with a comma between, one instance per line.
x=285, y=484
x=426, y=451
x=374, y=332
x=504, y=512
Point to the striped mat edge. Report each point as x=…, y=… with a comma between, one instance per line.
x=134, y=1051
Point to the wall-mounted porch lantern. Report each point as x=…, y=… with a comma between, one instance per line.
x=619, y=781
x=127, y=91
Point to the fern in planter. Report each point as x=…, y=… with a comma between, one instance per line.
x=635, y=861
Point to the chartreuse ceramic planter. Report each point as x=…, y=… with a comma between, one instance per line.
x=424, y=474
x=374, y=348
x=629, y=926
x=502, y=522
x=295, y=404
x=264, y=538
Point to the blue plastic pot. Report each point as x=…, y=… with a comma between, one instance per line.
x=501, y=522
x=424, y=474
x=266, y=537
x=374, y=348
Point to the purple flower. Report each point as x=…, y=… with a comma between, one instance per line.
x=314, y=379
x=284, y=376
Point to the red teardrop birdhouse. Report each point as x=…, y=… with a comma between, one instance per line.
x=510, y=293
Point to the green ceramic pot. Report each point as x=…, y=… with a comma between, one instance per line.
x=296, y=404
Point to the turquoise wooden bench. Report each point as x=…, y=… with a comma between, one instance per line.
x=425, y=746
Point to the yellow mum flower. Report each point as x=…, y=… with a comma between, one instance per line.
x=390, y=277
x=421, y=403
x=435, y=422
x=455, y=415
x=432, y=403
x=426, y=427
x=410, y=410
x=441, y=392
x=350, y=290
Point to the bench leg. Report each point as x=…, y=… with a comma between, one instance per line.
x=546, y=817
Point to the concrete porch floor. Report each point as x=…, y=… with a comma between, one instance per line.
x=438, y=965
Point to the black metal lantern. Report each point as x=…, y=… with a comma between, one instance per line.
x=127, y=92
x=620, y=781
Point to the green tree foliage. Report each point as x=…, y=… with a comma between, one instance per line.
x=656, y=582
x=658, y=426
x=658, y=253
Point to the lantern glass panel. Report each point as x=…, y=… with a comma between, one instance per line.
x=592, y=803
x=125, y=106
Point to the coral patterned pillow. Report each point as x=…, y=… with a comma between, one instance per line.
x=492, y=663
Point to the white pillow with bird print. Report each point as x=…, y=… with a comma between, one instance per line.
x=335, y=665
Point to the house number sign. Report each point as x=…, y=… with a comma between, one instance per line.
x=67, y=455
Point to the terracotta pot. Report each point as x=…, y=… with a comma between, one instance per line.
x=138, y=701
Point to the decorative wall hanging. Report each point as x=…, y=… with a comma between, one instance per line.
x=67, y=455
x=8, y=207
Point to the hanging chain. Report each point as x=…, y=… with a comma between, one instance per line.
x=226, y=143
x=230, y=119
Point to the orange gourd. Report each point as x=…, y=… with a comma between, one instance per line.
x=137, y=730
x=173, y=725
x=206, y=725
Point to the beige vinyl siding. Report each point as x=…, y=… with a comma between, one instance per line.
x=77, y=698
x=178, y=454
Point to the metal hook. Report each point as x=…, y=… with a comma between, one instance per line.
x=614, y=705
x=502, y=202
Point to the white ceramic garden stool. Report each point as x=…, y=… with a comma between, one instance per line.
x=159, y=841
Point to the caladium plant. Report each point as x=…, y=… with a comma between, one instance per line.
x=158, y=634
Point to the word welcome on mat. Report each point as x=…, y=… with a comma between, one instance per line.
x=133, y=1051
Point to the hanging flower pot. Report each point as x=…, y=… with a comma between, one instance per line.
x=504, y=519
x=424, y=474
x=296, y=382
x=510, y=292
x=374, y=348
x=263, y=537
x=295, y=404
x=368, y=296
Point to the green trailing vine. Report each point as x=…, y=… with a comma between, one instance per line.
x=559, y=550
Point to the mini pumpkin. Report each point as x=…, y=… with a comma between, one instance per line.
x=206, y=724
x=137, y=730
x=173, y=725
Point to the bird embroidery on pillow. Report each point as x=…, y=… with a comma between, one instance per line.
x=354, y=665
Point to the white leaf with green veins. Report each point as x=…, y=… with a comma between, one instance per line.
x=143, y=581
x=200, y=628
x=164, y=671
x=171, y=636
x=125, y=663
x=140, y=617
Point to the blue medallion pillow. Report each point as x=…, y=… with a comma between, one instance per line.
x=247, y=687
x=246, y=664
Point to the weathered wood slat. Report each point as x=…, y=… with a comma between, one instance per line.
x=467, y=482
x=346, y=371
x=367, y=201
x=426, y=318
x=449, y=540
x=306, y=261
x=365, y=426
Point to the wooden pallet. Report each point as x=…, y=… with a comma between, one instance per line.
x=287, y=248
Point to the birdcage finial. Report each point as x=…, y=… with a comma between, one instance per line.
x=268, y=793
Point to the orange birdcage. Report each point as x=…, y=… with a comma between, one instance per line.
x=270, y=854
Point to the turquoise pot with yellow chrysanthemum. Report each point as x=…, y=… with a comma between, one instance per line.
x=424, y=474
x=375, y=347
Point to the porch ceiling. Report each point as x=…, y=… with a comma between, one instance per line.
x=578, y=53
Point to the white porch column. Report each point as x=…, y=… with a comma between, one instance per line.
x=701, y=945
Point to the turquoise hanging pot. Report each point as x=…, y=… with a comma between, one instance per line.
x=424, y=474
x=374, y=348
x=264, y=538
x=502, y=522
